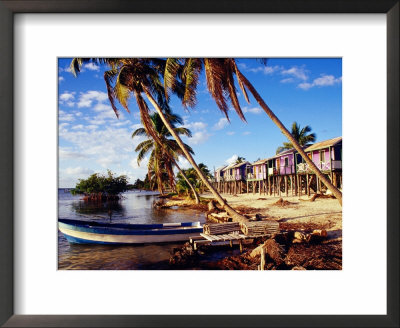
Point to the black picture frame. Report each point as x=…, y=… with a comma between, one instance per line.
x=10, y=7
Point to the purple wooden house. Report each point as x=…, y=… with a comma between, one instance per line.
x=285, y=162
x=219, y=174
x=326, y=155
x=257, y=170
x=239, y=171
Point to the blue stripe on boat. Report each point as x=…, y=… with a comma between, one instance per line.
x=76, y=240
x=127, y=229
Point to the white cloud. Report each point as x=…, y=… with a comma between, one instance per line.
x=121, y=123
x=199, y=137
x=195, y=126
x=322, y=81
x=60, y=79
x=67, y=98
x=305, y=85
x=327, y=80
x=77, y=127
x=100, y=107
x=143, y=163
x=297, y=72
x=87, y=98
x=254, y=110
x=106, y=146
x=223, y=122
x=136, y=126
x=232, y=159
x=65, y=117
x=67, y=153
x=246, y=133
x=91, y=67
x=183, y=163
x=288, y=80
x=78, y=171
x=267, y=70
x=230, y=133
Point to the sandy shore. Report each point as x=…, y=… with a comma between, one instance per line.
x=323, y=213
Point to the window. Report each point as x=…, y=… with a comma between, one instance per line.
x=322, y=156
x=286, y=161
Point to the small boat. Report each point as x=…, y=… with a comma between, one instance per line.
x=90, y=232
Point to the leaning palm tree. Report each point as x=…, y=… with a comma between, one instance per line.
x=302, y=136
x=138, y=77
x=220, y=74
x=168, y=151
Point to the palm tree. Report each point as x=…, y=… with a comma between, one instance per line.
x=135, y=76
x=302, y=136
x=168, y=151
x=221, y=85
x=240, y=160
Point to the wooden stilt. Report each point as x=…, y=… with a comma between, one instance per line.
x=286, y=186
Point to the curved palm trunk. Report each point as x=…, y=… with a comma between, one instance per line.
x=295, y=144
x=196, y=195
x=235, y=215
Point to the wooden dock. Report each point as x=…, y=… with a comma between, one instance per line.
x=234, y=233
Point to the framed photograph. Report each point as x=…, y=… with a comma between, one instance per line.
x=330, y=65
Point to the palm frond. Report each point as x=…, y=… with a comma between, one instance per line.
x=215, y=79
x=109, y=77
x=190, y=78
x=240, y=81
x=139, y=132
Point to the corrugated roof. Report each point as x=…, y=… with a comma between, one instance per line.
x=285, y=152
x=240, y=164
x=324, y=144
x=220, y=168
x=229, y=167
x=260, y=161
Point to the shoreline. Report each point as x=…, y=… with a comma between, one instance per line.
x=295, y=215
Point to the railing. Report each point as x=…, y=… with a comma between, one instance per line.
x=229, y=178
x=303, y=167
x=283, y=170
x=257, y=176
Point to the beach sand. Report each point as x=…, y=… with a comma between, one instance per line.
x=323, y=213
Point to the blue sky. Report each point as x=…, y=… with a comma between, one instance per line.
x=92, y=139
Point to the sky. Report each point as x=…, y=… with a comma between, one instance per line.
x=92, y=139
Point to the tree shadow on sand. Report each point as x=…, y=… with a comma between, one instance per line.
x=306, y=216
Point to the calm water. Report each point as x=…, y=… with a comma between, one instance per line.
x=135, y=207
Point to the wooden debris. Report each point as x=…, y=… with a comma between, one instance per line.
x=272, y=249
x=281, y=202
x=221, y=228
x=266, y=227
x=321, y=233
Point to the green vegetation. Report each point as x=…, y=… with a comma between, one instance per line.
x=302, y=136
x=101, y=187
x=163, y=154
x=182, y=187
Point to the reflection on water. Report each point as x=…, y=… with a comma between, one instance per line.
x=134, y=207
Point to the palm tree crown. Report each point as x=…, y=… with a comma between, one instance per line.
x=162, y=159
x=302, y=136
